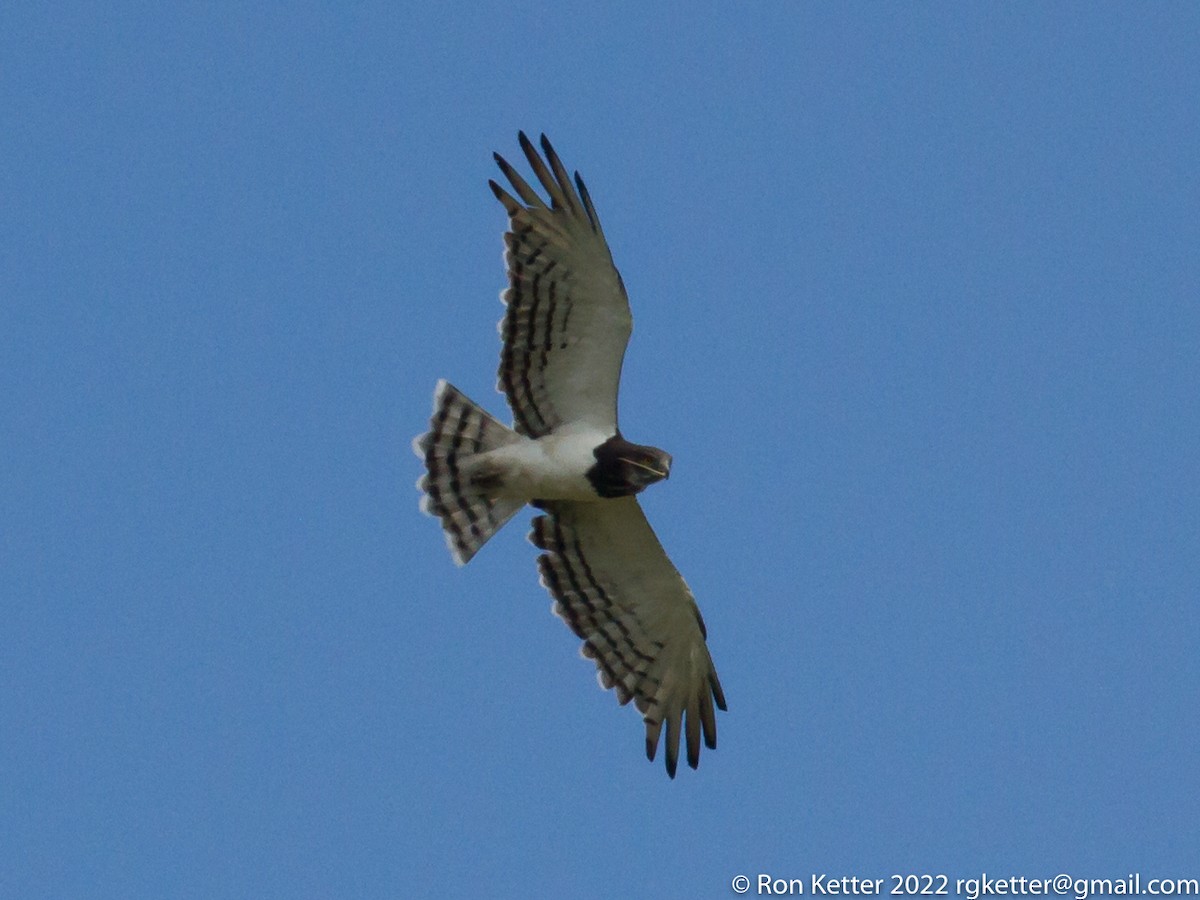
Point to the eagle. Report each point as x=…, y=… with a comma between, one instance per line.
x=564, y=332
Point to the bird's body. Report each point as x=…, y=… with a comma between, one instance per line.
x=564, y=333
x=552, y=467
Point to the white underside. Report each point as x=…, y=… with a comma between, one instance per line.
x=553, y=467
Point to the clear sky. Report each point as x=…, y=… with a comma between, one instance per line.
x=917, y=303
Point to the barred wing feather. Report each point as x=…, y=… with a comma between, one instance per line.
x=567, y=321
x=617, y=590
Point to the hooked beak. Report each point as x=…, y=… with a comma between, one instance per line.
x=658, y=473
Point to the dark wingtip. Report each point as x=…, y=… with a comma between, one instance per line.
x=502, y=163
x=588, y=206
x=560, y=171
x=718, y=694
x=511, y=206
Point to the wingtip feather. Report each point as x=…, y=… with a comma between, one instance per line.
x=693, y=737
x=653, y=730
x=708, y=720
x=511, y=206
x=672, y=743
x=718, y=694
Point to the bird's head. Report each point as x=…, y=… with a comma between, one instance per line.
x=642, y=466
x=623, y=468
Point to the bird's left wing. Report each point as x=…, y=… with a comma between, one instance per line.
x=615, y=587
x=567, y=322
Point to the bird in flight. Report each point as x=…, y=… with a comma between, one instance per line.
x=564, y=331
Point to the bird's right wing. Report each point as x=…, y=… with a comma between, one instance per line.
x=617, y=590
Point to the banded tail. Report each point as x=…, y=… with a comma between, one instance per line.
x=458, y=430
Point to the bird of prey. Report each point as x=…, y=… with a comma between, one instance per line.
x=565, y=329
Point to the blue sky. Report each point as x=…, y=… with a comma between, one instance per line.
x=916, y=311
